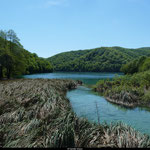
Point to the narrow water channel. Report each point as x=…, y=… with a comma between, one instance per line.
x=84, y=102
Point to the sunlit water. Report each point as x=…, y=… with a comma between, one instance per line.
x=84, y=101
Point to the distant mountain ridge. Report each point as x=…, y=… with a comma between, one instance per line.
x=103, y=59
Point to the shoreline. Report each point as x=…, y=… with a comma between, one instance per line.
x=130, y=105
x=122, y=103
x=123, y=98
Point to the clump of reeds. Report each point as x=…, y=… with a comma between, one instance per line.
x=128, y=90
x=123, y=136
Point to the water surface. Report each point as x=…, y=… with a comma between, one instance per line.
x=86, y=77
x=84, y=102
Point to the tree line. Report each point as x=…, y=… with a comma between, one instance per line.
x=104, y=59
x=15, y=60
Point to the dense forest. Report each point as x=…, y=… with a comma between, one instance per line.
x=104, y=59
x=15, y=60
x=138, y=65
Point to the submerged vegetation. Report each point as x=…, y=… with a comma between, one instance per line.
x=36, y=113
x=15, y=60
x=104, y=59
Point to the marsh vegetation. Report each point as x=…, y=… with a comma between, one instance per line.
x=36, y=113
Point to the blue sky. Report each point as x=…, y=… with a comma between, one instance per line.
x=48, y=27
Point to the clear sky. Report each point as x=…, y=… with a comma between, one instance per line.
x=48, y=27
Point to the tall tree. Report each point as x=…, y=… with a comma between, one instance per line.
x=7, y=61
x=3, y=35
x=12, y=57
x=13, y=39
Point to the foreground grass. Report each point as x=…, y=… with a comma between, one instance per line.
x=129, y=90
x=36, y=113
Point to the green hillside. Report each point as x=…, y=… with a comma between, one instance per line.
x=15, y=60
x=104, y=59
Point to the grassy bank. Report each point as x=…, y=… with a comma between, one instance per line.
x=36, y=113
x=129, y=90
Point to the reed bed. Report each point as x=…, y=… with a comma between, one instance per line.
x=129, y=90
x=36, y=113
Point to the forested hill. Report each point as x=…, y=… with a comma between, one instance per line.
x=15, y=60
x=104, y=59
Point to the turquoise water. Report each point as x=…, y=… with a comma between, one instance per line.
x=86, y=77
x=84, y=102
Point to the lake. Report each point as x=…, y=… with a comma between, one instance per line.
x=87, y=77
x=84, y=101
